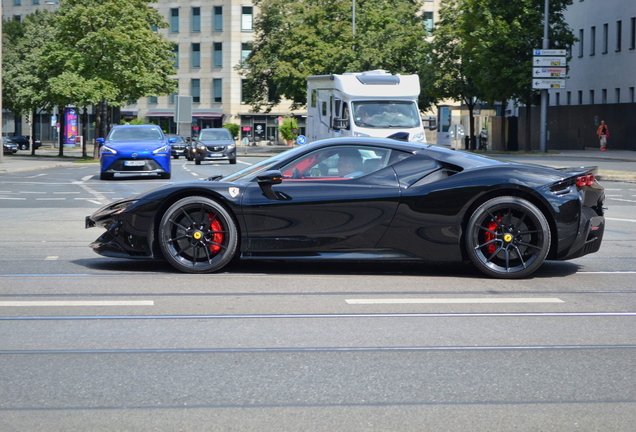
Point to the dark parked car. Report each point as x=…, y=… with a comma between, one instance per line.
x=365, y=199
x=178, y=146
x=8, y=146
x=23, y=142
x=213, y=144
x=134, y=149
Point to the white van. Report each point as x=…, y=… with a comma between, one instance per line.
x=374, y=103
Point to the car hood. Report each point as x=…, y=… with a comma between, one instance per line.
x=216, y=142
x=137, y=146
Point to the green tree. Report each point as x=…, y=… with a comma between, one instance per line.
x=105, y=51
x=298, y=38
x=287, y=127
x=233, y=128
x=453, y=54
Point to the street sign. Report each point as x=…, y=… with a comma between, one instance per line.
x=548, y=61
x=540, y=84
x=301, y=139
x=549, y=52
x=549, y=72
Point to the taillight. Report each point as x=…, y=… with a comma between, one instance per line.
x=585, y=180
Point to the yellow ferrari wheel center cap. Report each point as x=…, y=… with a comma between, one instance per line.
x=197, y=235
x=507, y=238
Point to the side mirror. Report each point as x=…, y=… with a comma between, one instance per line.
x=432, y=123
x=267, y=179
x=100, y=141
x=271, y=177
x=340, y=123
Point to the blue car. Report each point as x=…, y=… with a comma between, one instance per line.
x=134, y=149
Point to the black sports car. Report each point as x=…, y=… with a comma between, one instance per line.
x=365, y=199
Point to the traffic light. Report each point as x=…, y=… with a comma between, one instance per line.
x=28, y=118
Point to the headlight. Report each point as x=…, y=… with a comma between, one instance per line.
x=162, y=149
x=121, y=206
x=360, y=134
x=108, y=150
x=419, y=137
x=202, y=147
x=231, y=146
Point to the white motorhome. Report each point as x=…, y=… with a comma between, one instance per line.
x=373, y=103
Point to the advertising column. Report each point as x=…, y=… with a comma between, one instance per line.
x=70, y=127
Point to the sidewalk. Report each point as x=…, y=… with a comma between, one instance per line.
x=47, y=157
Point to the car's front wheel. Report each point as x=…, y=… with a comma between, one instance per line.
x=197, y=235
x=106, y=176
x=197, y=162
x=233, y=161
x=508, y=237
x=176, y=156
x=24, y=147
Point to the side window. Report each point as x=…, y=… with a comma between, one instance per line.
x=340, y=163
x=345, y=116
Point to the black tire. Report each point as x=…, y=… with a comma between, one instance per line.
x=197, y=162
x=165, y=175
x=24, y=147
x=176, y=156
x=233, y=161
x=106, y=176
x=508, y=238
x=197, y=235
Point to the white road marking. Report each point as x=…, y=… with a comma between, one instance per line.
x=78, y=303
x=26, y=192
x=51, y=258
x=15, y=199
x=454, y=301
x=606, y=272
x=64, y=193
x=621, y=220
x=37, y=175
x=50, y=199
x=623, y=200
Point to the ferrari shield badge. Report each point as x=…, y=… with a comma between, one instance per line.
x=234, y=191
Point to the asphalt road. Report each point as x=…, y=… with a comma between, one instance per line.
x=93, y=343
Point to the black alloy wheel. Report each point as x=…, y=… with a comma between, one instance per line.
x=508, y=238
x=197, y=235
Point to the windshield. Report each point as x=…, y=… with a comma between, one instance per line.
x=135, y=133
x=386, y=114
x=215, y=135
x=250, y=172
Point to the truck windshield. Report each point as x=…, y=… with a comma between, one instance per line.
x=386, y=114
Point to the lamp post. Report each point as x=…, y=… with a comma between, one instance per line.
x=353, y=17
x=543, y=131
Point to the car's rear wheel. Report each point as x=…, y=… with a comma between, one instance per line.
x=24, y=147
x=106, y=176
x=197, y=235
x=508, y=237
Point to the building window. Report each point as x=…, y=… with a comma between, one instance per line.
x=36, y=2
x=246, y=49
x=17, y=18
x=217, y=55
x=196, y=19
x=605, y=37
x=604, y=96
x=617, y=95
x=175, y=55
x=581, y=44
x=632, y=34
x=174, y=20
x=172, y=98
x=152, y=100
x=580, y=97
x=558, y=99
x=619, y=35
x=428, y=21
x=592, y=41
x=247, y=18
x=631, y=95
x=591, y=97
x=217, y=90
x=195, y=55
x=195, y=90
x=569, y=98
x=243, y=90
x=218, y=18
x=17, y=2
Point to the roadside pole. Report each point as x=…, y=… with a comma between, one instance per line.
x=543, y=143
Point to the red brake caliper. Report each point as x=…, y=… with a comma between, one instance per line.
x=492, y=226
x=217, y=238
